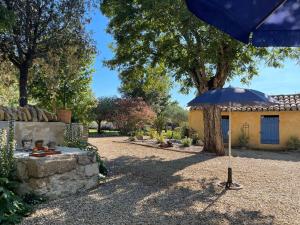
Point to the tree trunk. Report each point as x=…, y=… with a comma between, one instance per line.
x=99, y=126
x=213, y=140
x=23, y=69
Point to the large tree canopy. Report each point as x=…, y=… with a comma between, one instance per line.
x=39, y=28
x=148, y=32
x=151, y=84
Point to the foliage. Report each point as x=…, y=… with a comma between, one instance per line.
x=169, y=134
x=293, y=143
x=104, y=110
x=7, y=148
x=153, y=133
x=185, y=130
x=12, y=207
x=195, y=136
x=243, y=139
x=73, y=139
x=194, y=54
x=139, y=134
x=152, y=84
x=132, y=114
x=160, y=138
x=175, y=114
x=6, y=19
x=63, y=81
x=177, y=135
x=40, y=28
x=186, y=142
x=160, y=123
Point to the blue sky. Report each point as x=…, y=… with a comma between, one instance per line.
x=284, y=80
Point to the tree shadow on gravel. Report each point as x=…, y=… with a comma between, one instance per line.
x=293, y=156
x=147, y=191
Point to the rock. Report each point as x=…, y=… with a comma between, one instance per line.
x=7, y=117
x=44, y=117
x=86, y=158
x=28, y=115
x=33, y=113
x=49, y=166
x=39, y=113
x=58, y=176
x=91, y=170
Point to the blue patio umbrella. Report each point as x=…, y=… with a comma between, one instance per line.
x=260, y=22
x=232, y=97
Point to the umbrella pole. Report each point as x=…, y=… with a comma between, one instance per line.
x=229, y=178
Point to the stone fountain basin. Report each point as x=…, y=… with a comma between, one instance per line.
x=58, y=175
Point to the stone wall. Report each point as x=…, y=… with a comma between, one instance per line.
x=47, y=131
x=58, y=175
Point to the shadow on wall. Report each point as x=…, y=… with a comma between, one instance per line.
x=144, y=191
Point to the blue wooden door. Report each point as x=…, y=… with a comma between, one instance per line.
x=225, y=128
x=269, y=126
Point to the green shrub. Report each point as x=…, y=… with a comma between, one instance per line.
x=160, y=139
x=159, y=123
x=186, y=142
x=7, y=148
x=169, y=134
x=293, y=143
x=139, y=135
x=12, y=207
x=153, y=134
x=177, y=135
x=243, y=139
x=185, y=130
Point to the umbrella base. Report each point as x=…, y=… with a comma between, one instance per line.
x=230, y=186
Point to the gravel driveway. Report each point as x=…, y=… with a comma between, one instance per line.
x=156, y=186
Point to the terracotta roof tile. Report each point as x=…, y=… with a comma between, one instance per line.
x=286, y=103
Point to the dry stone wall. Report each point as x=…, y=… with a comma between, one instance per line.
x=27, y=113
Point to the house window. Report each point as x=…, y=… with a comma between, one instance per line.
x=269, y=129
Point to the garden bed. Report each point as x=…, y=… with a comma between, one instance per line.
x=177, y=146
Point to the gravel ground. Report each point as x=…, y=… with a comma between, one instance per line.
x=156, y=186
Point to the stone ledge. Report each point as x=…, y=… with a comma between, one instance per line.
x=58, y=175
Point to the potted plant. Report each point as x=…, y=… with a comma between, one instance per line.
x=65, y=114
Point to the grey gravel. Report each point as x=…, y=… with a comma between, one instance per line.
x=157, y=186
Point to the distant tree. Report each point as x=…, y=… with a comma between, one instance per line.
x=104, y=110
x=39, y=27
x=175, y=114
x=132, y=114
x=194, y=54
x=151, y=84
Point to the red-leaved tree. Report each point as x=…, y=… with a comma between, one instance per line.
x=132, y=114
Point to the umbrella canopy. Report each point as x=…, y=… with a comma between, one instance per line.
x=235, y=96
x=262, y=22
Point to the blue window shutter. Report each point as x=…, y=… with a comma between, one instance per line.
x=269, y=126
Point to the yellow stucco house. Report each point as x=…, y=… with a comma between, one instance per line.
x=266, y=127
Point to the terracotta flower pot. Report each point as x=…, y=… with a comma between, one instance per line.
x=64, y=115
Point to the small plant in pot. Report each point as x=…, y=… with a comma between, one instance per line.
x=243, y=140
